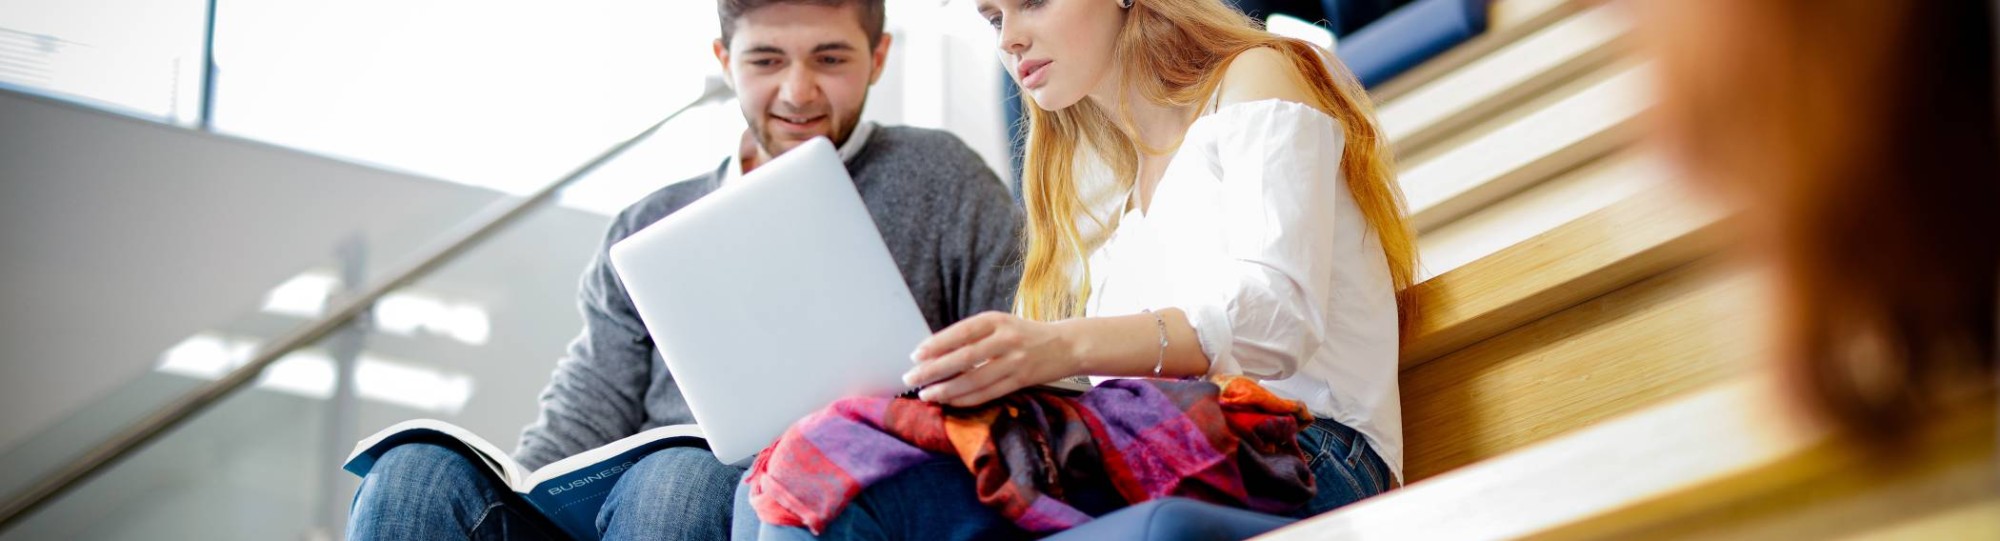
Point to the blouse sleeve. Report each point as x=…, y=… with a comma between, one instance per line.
x=1260, y=311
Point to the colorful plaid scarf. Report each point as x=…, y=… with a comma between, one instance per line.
x=1229, y=441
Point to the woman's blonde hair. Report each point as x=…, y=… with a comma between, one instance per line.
x=1175, y=53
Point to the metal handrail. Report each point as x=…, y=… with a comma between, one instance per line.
x=130, y=439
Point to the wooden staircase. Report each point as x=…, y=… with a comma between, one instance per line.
x=1590, y=362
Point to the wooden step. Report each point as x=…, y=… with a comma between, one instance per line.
x=1533, y=63
x=1732, y=460
x=1597, y=317
x=1512, y=22
x=1537, y=99
x=1613, y=354
x=1540, y=208
x=1512, y=152
x=1552, y=245
x=1551, y=97
x=1610, y=248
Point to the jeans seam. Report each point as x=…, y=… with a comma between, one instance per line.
x=1343, y=464
x=1323, y=451
x=1367, y=466
x=1348, y=474
x=490, y=508
x=1357, y=451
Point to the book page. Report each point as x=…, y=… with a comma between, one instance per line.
x=609, y=450
x=369, y=449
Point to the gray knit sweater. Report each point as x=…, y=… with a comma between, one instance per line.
x=948, y=221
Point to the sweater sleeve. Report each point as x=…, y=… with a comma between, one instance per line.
x=992, y=270
x=598, y=390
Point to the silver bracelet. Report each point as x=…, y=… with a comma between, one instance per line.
x=1160, y=323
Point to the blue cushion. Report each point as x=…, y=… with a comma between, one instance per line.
x=1175, y=519
x=1409, y=36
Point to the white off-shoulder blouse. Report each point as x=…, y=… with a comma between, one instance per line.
x=1253, y=233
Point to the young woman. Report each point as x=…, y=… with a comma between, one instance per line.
x=1252, y=227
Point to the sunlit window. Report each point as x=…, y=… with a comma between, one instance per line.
x=501, y=94
x=137, y=57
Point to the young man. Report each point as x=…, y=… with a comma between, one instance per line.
x=801, y=69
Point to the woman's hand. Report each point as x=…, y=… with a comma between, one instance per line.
x=989, y=355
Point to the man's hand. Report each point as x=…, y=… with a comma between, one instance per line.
x=989, y=355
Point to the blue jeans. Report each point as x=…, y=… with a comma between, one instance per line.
x=424, y=491
x=1345, y=467
x=936, y=500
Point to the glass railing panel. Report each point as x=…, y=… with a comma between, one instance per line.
x=473, y=344
x=248, y=468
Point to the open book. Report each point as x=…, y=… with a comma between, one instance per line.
x=569, y=491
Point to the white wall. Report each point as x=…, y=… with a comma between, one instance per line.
x=943, y=75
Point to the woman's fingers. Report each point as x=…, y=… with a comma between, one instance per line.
x=958, y=348
x=961, y=360
x=958, y=335
x=943, y=369
x=976, y=360
x=980, y=385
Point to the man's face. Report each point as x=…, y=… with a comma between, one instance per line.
x=801, y=71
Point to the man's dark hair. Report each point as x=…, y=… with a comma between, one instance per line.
x=731, y=10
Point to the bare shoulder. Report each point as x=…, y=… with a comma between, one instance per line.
x=1260, y=74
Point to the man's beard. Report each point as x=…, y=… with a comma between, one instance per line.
x=842, y=129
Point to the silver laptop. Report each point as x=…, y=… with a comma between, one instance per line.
x=771, y=298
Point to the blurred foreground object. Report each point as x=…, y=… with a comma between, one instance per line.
x=1860, y=137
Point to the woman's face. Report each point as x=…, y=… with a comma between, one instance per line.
x=1058, y=51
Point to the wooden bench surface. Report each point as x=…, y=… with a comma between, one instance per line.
x=1526, y=340
x=1729, y=461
